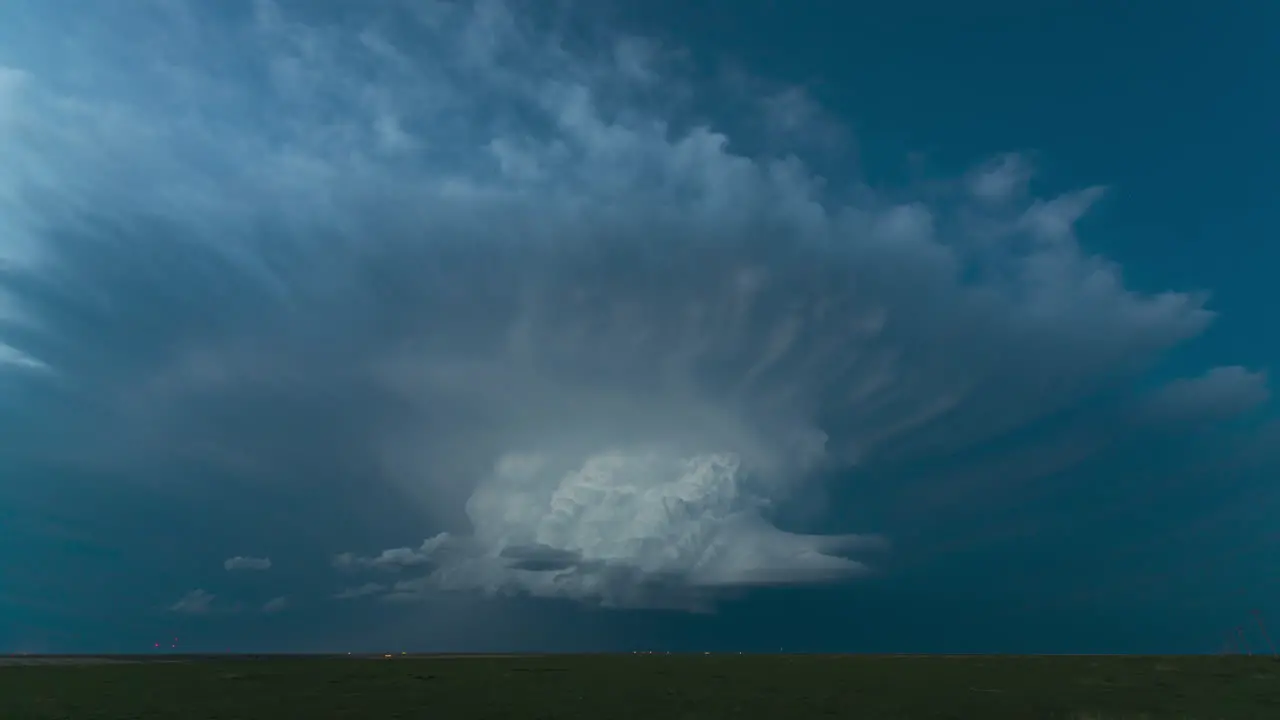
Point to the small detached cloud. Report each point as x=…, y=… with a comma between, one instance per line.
x=196, y=602
x=1002, y=179
x=364, y=590
x=275, y=605
x=247, y=563
x=391, y=560
x=1219, y=394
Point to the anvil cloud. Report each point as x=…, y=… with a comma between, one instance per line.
x=592, y=331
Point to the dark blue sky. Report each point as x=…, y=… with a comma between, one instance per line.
x=726, y=325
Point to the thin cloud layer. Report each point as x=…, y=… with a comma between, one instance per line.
x=392, y=559
x=1219, y=394
x=587, y=331
x=196, y=602
x=367, y=589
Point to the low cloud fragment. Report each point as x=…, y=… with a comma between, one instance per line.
x=1220, y=393
x=247, y=563
x=196, y=602
x=360, y=591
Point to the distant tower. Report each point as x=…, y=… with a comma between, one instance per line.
x=1257, y=617
x=1243, y=642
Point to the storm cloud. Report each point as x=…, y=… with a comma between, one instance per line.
x=591, y=332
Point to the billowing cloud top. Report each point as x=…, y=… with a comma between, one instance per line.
x=593, y=330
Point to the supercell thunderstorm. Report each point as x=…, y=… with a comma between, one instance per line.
x=528, y=272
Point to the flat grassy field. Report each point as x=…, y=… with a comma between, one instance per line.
x=658, y=687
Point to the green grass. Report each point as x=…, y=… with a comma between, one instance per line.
x=665, y=687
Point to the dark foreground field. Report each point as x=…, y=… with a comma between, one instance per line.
x=665, y=687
